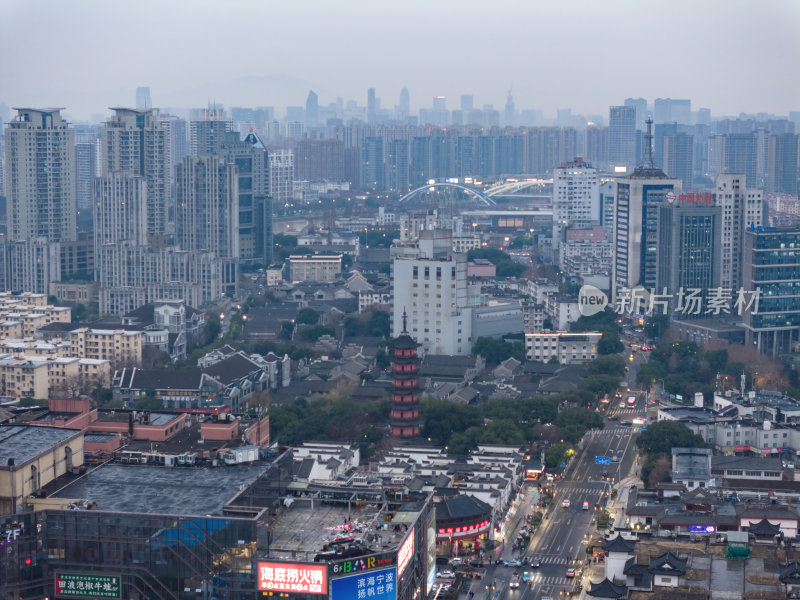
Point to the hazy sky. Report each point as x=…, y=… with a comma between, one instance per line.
x=728, y=55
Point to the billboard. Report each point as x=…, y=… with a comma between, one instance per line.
x=293, y=577
x=430, y=532
x=80, y=585
x=375, y=585
x=405, y=553
x=363, y=563
x=702, y=528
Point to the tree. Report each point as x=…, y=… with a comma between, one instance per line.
x=78, y=313
x=212, y=328
x=610, y=343
x=503, y=431
x=545, y=434
x=656, y=325
x=600, y=384
x=153, y=358
x=663, y=436
x=370, y=441
x=307, y=316
x=588, y=419
x=496, y=351
x=556, y=454
x=148, y=403
x=608, y=365
x=379, y=324
x=506, y=267
x=441, y=418
x=315, y=332
x=657, y=471
x=287, y=329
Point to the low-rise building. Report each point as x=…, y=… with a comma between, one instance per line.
x=40, y=377
x=117, y=346
x=31, y=457
x=318, y=267
x=75, y=292
x=692, y=467
x=566, y=347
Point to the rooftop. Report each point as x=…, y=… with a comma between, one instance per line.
x=306, y=528
x=153, y=489
x=21, y=443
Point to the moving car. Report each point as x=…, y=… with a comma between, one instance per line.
x=615, y=458
x=536, y=563
x=514, y=581
x=513, y=563
x=570, y=572
x=565, y=503
x=445, y=575
x=585, y=505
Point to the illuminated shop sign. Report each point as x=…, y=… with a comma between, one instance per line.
x=405, y=553
x=293, y=577
x=363, y=563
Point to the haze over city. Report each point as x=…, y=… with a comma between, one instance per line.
x=374, y=300
x=731, y=57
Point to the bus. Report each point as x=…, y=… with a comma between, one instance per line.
x=631, y=400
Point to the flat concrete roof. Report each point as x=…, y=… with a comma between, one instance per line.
x=300, y=532
x=161, y=490
x=23, y=443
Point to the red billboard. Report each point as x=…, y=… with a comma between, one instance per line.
x=405, y=553
x=293, y=577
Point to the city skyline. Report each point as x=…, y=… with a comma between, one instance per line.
x=702, y=52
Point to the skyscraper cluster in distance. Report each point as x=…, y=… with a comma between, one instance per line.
x=170, y=203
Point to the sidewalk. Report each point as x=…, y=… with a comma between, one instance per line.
x=616, y=509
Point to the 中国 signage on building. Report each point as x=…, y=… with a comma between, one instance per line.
x=293, y=577
x=80, y=585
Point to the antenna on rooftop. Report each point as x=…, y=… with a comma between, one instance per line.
x=648, y=145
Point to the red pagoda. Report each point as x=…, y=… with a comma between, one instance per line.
x=404, y=411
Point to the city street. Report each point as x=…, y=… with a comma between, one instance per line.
x=560, y=541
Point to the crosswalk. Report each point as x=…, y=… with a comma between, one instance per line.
x=583, y=490
x=550, y=580
x=554, y=560
x=614, y=430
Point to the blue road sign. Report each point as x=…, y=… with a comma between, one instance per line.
x=602, y=460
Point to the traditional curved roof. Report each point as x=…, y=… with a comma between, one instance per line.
x=607, y=589
x=764, y=527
